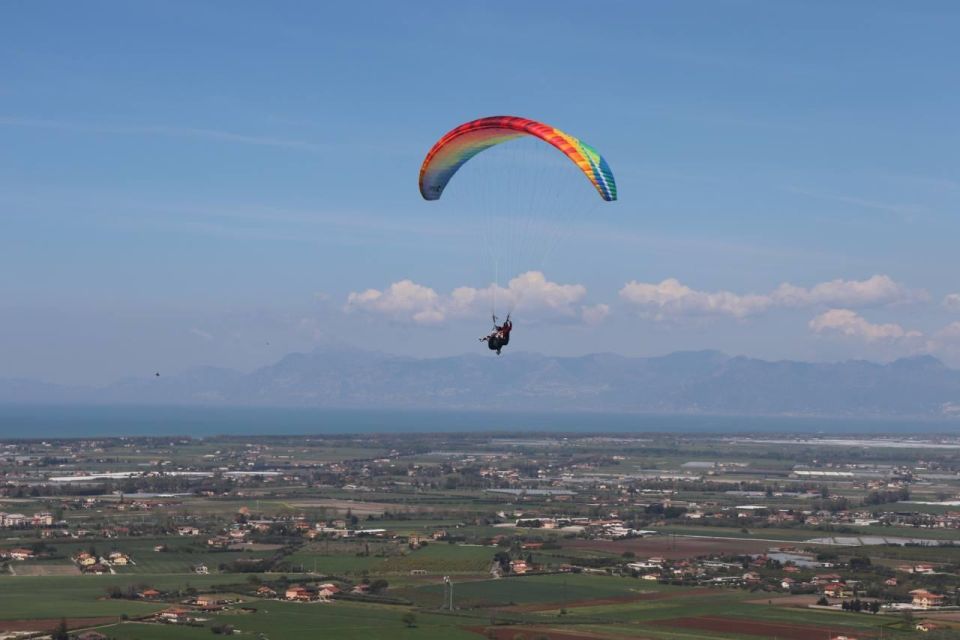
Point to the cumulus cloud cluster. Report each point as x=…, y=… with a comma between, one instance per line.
x=887, y=338
x=850, y=324
x=836, y=305
x=401, y=299
x=531, y=291
x=672, y=299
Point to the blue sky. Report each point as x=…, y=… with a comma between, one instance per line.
x=187, y=183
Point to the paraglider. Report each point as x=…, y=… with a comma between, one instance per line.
x=500, y=336
x=455, y=148
x=509, y=221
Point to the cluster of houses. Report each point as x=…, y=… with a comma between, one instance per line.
x=758, y=513
x=60, y=530
x=923, y=569
x=747, y=513
x=338, y=529
x=610, y=528
x=20, y=521
x=520, y=567
x=235, y=535
x=615, y=529
x=923, y=599
x=304, y=593
x=179, y=615
x=832, y=586
x=17, y=554
x=240, y=532
x=707, y=571
x=948, y=520
x=186, y=613
x=821, y=517
x=91, y=563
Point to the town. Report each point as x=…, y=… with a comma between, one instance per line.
x=473, y=535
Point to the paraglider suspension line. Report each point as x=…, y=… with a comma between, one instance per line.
x=496, y=285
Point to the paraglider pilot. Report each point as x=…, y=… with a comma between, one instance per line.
x=500, y=337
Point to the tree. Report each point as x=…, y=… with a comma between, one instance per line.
x=503, y=559
x=61, y=633
x=409, y=619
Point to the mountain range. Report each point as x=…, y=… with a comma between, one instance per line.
x=700, y=382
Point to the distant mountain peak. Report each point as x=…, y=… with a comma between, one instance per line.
x=919, y=362
x=345, y=376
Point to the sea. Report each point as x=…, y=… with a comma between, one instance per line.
x=61, y=421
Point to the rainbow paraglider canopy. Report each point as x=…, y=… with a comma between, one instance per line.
x=462, y=143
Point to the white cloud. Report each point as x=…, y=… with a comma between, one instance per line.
x=876, y=290
x=671, y=298
x=890, y=339
x=405, y=298
x=849, y=324
x=530, y=292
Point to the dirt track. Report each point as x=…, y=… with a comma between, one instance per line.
x=799, y=600
x=49, y=624
x=598, y=602
x=760, y=628
x=510, y=632
x=47, y=570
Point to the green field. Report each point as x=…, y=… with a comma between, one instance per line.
x=281, y=620
x=183, y=554
x=436, y=559
x=85, y=596
x=528, y=589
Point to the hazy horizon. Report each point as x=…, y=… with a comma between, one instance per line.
x=138, y=421
x=322, y=347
